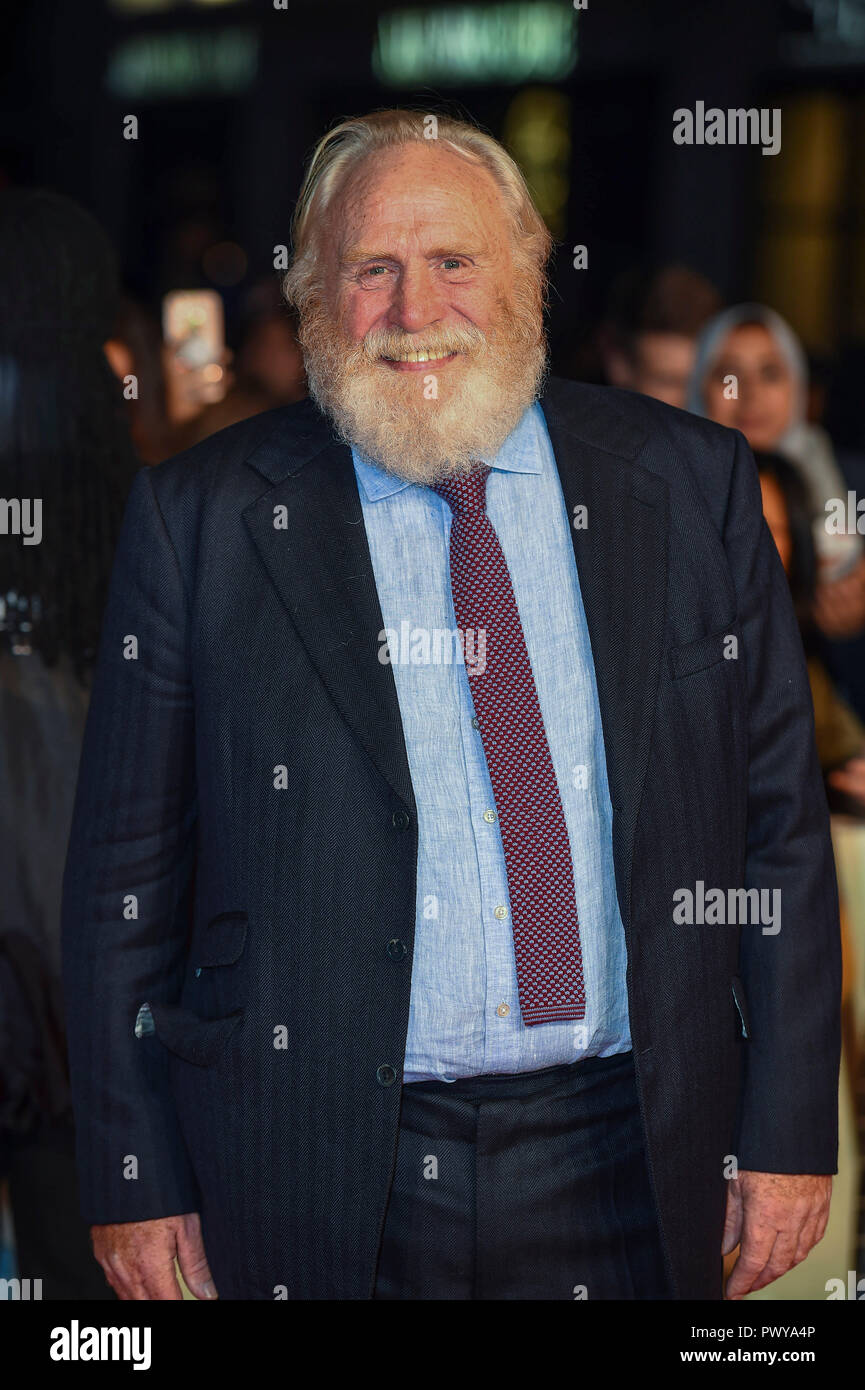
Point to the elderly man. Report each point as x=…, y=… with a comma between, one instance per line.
x=441, y=724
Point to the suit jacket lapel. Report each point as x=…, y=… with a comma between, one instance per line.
x=318, y=559
x=621, y=556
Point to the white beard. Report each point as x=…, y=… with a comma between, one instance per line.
x=426, y=426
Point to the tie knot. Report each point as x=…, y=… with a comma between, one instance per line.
x=465, y=493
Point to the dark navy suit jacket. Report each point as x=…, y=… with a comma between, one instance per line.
x=255, y=920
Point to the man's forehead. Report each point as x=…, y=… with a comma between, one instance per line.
x=416, y=189
x=429, y=226
x=423, y=162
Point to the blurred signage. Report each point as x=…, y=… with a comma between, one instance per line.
x=133, y=7
x=823, y=31
x=152, y=66
x=141, y=6
x=509, y=43
x=537, y=132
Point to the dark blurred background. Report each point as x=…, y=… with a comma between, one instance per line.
x=231, y=94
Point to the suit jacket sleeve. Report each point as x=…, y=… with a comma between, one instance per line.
x=127, y=881
x=792, y=979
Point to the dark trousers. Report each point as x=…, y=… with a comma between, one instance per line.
x=531, y=1186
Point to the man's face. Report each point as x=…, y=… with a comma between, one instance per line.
x=418, y=243
x=765, y=392
x=421, y=346
x=663, y=366
x=659, y=366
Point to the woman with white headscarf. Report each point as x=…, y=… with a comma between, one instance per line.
x=751, y=374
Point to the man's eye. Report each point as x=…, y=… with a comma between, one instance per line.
x=452, y=263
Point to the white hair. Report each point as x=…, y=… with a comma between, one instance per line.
x=343, y=148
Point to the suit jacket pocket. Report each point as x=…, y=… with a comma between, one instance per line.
x=690, y=657
x=198, y=1040
x=222, y=941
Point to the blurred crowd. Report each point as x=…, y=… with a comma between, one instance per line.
x=90, y=389
x=667, y=334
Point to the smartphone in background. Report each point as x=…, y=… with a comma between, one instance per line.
x=837, y=555
x=193, y=326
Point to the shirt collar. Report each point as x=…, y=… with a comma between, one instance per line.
x=519, y=454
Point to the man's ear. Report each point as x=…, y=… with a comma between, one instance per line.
x=119, y=358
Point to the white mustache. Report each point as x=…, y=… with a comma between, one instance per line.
x=388, y=342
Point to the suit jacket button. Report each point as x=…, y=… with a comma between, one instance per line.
x=400, y=820
x=386, y=1075
x=396, y=949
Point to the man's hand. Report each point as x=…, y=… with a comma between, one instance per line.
x=138, y=1257
x=776, y=1218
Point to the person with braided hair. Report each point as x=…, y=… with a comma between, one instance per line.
x=64, y=445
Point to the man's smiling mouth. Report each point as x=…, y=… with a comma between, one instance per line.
x=407, y=360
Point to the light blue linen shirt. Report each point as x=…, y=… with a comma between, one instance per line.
x=464, y=1017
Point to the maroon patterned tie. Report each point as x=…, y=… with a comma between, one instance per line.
x=531, y=820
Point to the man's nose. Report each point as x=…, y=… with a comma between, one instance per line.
x=417, y=300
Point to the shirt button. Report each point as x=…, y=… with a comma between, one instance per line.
x=489, y=817
x=396, y=949
x=503, y=1010
x=475, y=724
x=400, y=820
x=386, y=1075
x=501, y=913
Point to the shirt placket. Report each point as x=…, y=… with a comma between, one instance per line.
x=500, y=1005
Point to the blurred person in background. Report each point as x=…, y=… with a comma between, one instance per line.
x=845, y=422
x=751, y=374
x=269, y=354
x=65, y=442
x=267, y=370
x=135, y=349
x=167, y=408
x=648, y=338
x=840, y=735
